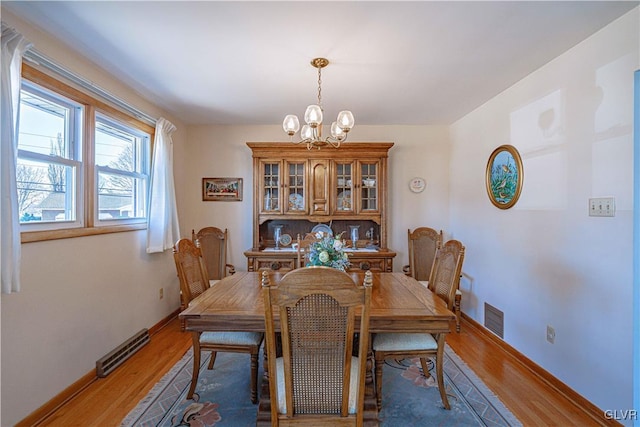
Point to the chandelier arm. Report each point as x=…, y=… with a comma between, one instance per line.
x=303, y=141
x=335, y=143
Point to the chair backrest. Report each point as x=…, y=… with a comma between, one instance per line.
x=213, y=246
x=423, y=244
x=191, y=270
x=447, y=267
x=303, y=248
x=317, y=310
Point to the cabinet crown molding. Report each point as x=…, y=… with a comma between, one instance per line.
x=287, y=149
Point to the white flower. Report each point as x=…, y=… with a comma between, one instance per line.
x=323, y=256
x=319, y=235
x=328, y=251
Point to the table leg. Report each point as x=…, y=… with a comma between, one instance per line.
x=370, y=404
x=439, y=371
x=263, y=418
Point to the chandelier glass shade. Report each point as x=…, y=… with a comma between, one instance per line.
x=311, y=132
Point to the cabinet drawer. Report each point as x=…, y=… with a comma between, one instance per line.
x=373, y=264
x=275, y=264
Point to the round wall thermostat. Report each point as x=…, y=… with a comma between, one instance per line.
x=417, y=184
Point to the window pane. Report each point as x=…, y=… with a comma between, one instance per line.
x=46, y=191
x=121, y=196
x=44, y=126
x=116, y=148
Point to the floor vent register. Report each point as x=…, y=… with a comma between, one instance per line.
x=117, y=356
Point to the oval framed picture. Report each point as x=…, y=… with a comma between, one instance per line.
x=504, y=176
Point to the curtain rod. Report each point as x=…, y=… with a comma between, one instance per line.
x=33, y=56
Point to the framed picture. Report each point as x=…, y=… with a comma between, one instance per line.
x=222, y=189
x=504, y=176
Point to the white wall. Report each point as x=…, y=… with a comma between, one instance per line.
x=545, y=261
x=221, y=151
x=80, y=297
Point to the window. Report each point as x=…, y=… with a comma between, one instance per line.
x=49, y=168
x=83, y=166
x=121, y=164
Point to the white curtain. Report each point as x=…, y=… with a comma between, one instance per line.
x=163, y=229
x=13, y=47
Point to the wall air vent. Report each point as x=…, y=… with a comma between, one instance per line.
x=117, y=356
x=494, y=320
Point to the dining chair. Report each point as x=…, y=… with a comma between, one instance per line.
x=193, y=282
x=444, y=280
x=453, y=303
x=450, y=294
x=303, y=248
x=191, y=271
x=318, y=380
x=213, y=246
x=423, y=244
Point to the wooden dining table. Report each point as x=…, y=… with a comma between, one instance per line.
x=399, y=303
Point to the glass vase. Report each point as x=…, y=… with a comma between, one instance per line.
x=355, y=236
x=277, y=234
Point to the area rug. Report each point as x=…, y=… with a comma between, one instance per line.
x=408, y=398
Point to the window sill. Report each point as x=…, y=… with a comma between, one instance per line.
x=39, y=236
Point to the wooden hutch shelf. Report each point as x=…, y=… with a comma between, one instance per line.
x=297, y=189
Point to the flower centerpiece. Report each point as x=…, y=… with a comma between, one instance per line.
x=329, y=252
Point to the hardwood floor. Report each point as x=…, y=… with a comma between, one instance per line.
x=532, y=399
x=106, y=401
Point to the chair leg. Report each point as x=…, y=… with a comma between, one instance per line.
x=456, y=306
x=379, y=363
x=182, y=308
x=212, y=360
x=439, y=371
x=425, y=369
x=196, y=363
x=254, y=377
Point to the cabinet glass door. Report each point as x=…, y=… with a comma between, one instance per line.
x=344, y=187
x=369, y=186
x=295, y=195
x=271, y=187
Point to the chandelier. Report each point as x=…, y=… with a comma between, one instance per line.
x=311, y=132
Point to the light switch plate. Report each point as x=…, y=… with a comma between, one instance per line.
x=602, y=206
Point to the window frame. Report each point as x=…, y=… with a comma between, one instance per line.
x=73, y=158
x=140, y=171
x=89, y=223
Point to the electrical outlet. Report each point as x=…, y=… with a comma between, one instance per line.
x=161, y=293
x=602, y=206
x=551, y=334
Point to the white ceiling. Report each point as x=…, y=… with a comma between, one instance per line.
x=246, y=63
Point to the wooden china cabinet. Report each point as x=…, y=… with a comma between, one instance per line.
x=296, y=189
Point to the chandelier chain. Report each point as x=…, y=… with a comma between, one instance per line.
x=320, y=87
